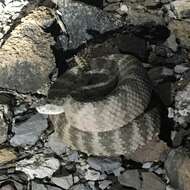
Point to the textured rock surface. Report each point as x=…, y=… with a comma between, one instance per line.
x=82, y=22
x=9, y=12
x=39, y=166
x=3, y=127
x=26, y=57
x=181, y=29
x=154, y=150
x=178, y=168
x=182, y=8
x=182, y=106
x=7, y=155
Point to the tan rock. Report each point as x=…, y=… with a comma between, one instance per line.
x=178, y=168
x=155, y=150
x=7, y=155
x=182, y=31
x=152, y=182
x=26, y=58
x=182, y=8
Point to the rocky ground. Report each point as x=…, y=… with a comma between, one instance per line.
x=37, y=42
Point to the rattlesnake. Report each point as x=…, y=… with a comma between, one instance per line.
x=107, y=106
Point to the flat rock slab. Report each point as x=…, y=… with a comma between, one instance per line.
x=27, y=133
x=152, y=182
x=130, y=178
x=64, y=182
x=107, y=165
x=26, y=58
x=39, y=166
x=82, y=23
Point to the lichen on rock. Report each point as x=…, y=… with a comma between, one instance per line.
x=26, y=58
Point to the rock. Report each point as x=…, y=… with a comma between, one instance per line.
x=113, y=1
x=155, y=150
x=82, y=23
x=28, y=132
x=181, y=8
x=147, y=165
x=181, y=29
x=56, y=144
x=178, y=136
x=159, y=60
x=112, y=7
x=93, y=175
x=38, y=186
x=168, y=187
x=151, y=181
x=162, y=51
x=104, y=164
x=149, y=27
x=25, y=63
x=80, y=187
x=50, y=187
x=119, y=187
x=39, y=166
x=180, y=69
x=9, y=12
x=152, y=3
x=92, y=185
x=3, y=125
x=130, y=178
x=134, y=45
x=104, y=184
x=41, y=186
x=50, y=109
x=73, y=156
x=182, y=108
x=165, y=1
x=171, y=43
x=123, y=9
x=160, y=73
x=7, y=155
x=64, y=182
x=178, y=168
x=61, y=3
x=8, y=187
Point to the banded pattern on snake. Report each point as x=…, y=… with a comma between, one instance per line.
x=107, y=107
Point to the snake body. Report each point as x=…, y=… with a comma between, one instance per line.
x=107, y=107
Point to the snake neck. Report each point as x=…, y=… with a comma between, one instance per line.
x=86, y=82
x=95, y=85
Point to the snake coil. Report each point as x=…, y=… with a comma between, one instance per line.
x=107, y=108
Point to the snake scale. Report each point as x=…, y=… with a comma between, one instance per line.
x=107, y=106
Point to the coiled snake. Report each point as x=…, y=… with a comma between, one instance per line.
x=106, y=107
